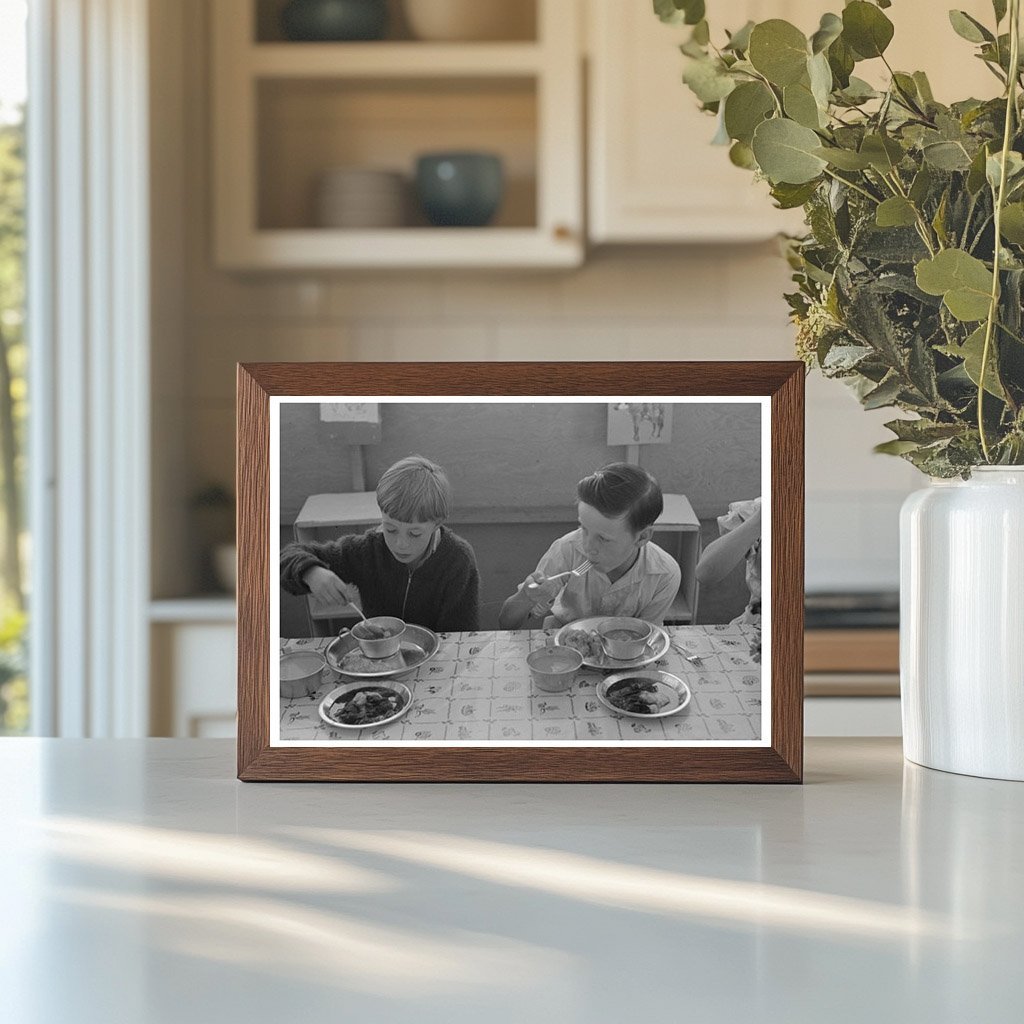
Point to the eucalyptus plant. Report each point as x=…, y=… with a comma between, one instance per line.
x=910, y=278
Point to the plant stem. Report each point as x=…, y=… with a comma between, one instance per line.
x=993, y=308
x=922, y=225
x=850, y=184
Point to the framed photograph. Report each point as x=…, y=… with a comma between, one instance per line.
x=505, y=585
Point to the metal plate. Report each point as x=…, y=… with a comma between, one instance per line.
x=669, y=685
x=419, y=645
x=400, y=689
x=656, y=647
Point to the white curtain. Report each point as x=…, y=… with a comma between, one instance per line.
x=88, y=319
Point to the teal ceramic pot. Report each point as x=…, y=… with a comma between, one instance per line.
x=460, y=189
x=334, y=20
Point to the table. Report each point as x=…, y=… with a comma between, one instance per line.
x=142, y=883
x=478, y=687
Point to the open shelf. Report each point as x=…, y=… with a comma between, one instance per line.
x=517, y=21
x=306, y=127
x=287, y=113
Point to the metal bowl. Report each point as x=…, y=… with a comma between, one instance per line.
x=625, y=649
x=403, y=692
x=418, y=646
x=301, y=673
x=379, y=647
x=667, y=684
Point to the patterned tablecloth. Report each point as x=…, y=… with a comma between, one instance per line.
x=478, y=687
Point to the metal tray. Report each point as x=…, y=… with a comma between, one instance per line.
x=419, y=645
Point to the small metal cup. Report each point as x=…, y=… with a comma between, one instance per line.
x=379, y=648
x=552, y=668
x=625, y=650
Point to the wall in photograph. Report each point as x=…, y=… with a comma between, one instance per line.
x=527, y=455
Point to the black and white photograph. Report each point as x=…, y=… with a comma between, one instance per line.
x=488, y=571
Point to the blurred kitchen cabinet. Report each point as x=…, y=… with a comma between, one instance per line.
x=653, y=175
x=286, y=113
x=192, y=651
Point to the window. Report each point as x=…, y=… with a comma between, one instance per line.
x=14, y=548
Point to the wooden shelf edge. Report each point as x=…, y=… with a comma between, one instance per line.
x=403, y=59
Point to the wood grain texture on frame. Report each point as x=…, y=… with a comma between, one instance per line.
x=780, y=762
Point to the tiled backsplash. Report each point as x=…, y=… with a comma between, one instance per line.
x=717, y=302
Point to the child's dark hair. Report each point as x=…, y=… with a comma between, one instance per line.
x=621, y=489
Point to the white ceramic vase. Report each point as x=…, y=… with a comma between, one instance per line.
x=962, y=624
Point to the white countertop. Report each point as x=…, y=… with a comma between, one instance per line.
x=143, y=884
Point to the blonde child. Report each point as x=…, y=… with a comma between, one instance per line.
x=411, y=566
x=617, y=507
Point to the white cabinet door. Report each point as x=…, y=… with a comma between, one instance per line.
x=653, y=174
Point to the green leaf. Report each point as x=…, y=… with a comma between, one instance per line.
x=858, y=91
x=745, y=108
x=830, y=28
x=939, y=220
x=701, y=33
x=968, y=28
x=971, y=352
x=866, y=29
x=999, y=7
x=844, y=159
x=994, y=167
x=924, y=88
x=739, y=41
x=921, y=186
x=708, y=81
x=820, y=75
x=976, y=175
x=785, y=152
x=896, y=212
x=789, y=197
x=1011, y=226
x=676, y=12
x=885, y=394
x=895, y=447
x=778, y=50
x=841, y=60
x=742, y=155
x=800, y=105
x=923, y=431
x=883, y=153
x=963, y=281
x=946, y=156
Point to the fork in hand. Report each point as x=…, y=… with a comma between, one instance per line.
x=580, y=570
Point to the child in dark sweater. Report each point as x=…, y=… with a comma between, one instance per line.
x=411, y=566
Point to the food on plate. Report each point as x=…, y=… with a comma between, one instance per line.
x=586, y=641
x=366, y=705
x=357, y=662
x=639, y=696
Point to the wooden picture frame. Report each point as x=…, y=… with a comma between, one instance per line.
x=778, y=386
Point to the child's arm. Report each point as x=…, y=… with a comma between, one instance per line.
x=722, y=555
x=531, y=603
x=316, y=569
